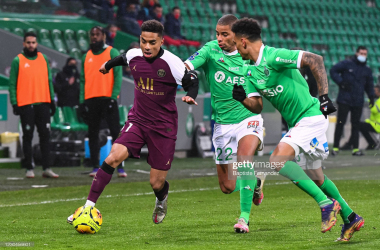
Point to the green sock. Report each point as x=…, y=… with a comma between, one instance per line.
x=237, y=185
x=329, y=188
x=247, y=185
x=295, y=173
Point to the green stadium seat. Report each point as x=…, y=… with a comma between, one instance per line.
x=76, y=53
x=57, y=41
x=173, y=49
x=44, y=38
x=71, y=118
x=59, y=121
x=82, y=39
x=70, y=39
x=32, y=30
x=183, y=52
x=18, y=31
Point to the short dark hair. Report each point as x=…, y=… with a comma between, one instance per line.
x=153, y=26
x=361, y=48
x=247, y=27
x=175, y=8
x=228, y=19
x=99, y=28
x=30, y=33
x=157, y=5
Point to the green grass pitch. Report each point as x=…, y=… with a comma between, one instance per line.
x=199, y=215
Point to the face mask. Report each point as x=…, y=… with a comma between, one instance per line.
x=176, y=16
x=159, y=15
x=30, y=54
x=361, y=58
x=70, y=70
x=97, y=46
x=112, y=35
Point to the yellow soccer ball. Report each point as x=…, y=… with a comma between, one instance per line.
x=87, y=220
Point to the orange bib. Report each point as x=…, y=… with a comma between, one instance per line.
x=96, y=84
x=32, y=80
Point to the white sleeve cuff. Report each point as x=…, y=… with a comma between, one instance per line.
x=189, y=64
x=253, y=94
x=299, y=59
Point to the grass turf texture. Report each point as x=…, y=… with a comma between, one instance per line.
x=203, y=219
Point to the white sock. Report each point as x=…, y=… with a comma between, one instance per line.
x=89, y=203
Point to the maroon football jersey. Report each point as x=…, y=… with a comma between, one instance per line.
x=155, y=90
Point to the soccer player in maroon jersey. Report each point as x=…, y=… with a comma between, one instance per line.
x=153, y=119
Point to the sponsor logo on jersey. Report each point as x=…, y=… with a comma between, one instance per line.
x=219, y=76
x=253, y=124
x=314, y=143
x=161, y=73
x=26, y=65
x=192, y=57
x=279, y=59
x=261, y=81
x=90, y=60
x=233, y=68
x=326, y=147
x=272, y=92
x=221, y=59
x=249, y=73
x=266, y=71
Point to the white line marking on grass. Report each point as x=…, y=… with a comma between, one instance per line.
x=14, y=178
x=126, y=195
x=142, y=171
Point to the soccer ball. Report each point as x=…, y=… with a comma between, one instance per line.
x=87, y=220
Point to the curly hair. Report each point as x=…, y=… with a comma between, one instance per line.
x=247, y=27
x=153, y=26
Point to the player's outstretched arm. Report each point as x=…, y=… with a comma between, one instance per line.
x=190, y=83
x=253, y=103
x=317, y=67
x=116, y=61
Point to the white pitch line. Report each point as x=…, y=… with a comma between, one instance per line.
x=125, y=195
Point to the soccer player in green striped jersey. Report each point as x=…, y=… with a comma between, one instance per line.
x=238, y=132
x=274, y=73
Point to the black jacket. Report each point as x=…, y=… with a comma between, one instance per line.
x=68, y=95
x=353, y=78
x=173, y=27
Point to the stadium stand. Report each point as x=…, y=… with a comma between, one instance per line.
x=331, y=28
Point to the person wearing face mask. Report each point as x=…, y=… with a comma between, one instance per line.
x=157, y=13
x=66, y=84
x=354, y=78
x=146, y=12
x=127, y=21
x=98, y=94
x=173, y=34
x=111, y=32
x=32, y=97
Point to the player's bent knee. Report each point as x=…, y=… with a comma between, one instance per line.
x=318, y=182
x=226, y=189
x=157, y=183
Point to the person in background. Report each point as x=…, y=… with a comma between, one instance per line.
x=146, y=11
x=173, y=30
x=157, y=13
x=98, y=94
x=66, y=84
x=353, y=77
x=128, y=21
x=373, y=123
x=111, y=32
x=32, y=97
